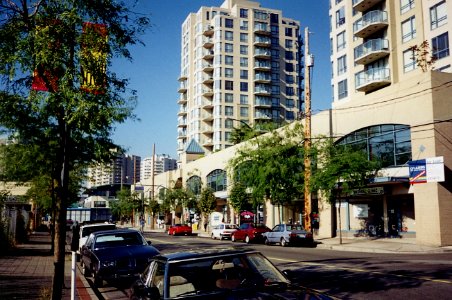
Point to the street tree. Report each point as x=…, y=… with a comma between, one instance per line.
x=271, y=166
x=341, y=170
x=207, y=202
x=58, y=92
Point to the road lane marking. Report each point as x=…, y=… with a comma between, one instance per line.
x=361, y=270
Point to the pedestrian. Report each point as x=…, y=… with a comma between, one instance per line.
x=205, y=225
x=142, y=224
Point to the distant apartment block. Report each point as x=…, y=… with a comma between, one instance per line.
x=162, y=162
x=240, y=63
x=124, y=169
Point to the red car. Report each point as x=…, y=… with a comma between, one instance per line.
x=180, y=229
x=250, y=232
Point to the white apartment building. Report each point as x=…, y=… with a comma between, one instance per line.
x=163, y=163
x=240, y=63
x=125, y=169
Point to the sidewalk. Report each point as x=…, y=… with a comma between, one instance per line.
x=27, y=273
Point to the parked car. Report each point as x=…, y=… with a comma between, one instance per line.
x=249, y=232
x=216, y=274
x=115, y=254
x=87, y=229
x=223, y=231
x=179, y=229
x=288, y=234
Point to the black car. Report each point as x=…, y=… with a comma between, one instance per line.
x=115, y=254
x=216, y=274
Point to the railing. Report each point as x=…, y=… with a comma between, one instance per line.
x=372, y=17
x=373, y=75
x=371, y=46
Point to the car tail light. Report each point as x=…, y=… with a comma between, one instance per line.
x=293, y=234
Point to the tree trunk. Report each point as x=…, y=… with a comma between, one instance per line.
x=339, y=221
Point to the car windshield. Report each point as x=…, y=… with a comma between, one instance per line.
x=230, y=226
x=294, y=227
x=119, y=239
x=86, y=231
x=260, y=226
x=229, y=272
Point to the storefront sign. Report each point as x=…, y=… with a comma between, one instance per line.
x=426, y=170
x=369, y=191
x=361, y=210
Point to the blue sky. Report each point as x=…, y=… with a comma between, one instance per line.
x=156, y=68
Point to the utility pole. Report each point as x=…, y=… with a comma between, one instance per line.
x=152, y=179
x=307, y=137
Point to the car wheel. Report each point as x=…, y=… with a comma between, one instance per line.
x=247, y=239
x=283, y=242
x=212, y=236
x=85, y=270
x=266, y=242
x=233, y=238
x=169, y=232
x=174, y=233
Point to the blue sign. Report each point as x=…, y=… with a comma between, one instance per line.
x=418, y=171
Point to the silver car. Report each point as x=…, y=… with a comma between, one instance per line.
x=288, y=234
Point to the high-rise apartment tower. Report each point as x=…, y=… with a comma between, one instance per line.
x=240, y=63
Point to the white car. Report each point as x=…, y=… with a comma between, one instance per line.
x=86, y=230
x=223, y=231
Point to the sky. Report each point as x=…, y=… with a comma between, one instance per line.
x=155, y=68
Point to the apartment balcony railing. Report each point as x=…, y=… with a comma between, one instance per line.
x=206, y=67
x=373, y=79
x=262, y=41
x=262, y=115
x=182, y=133
x=371, y=50
x=182, y=99
x=206, y=129
x=370, y=23
x=363, y=5
x=182, y=111
x=206, y=104
x=207, y=142
x=183, y=77
x=207, y=42
x=262, y=77
x=262, y=101
x=262, y=53
x=207, y=116
x=207, y=54
x=182, y=87
x=208, y=30
x=262, y=90
x=262, y=28
x=207, y=92
x=262, y=65
x=207, y=79
x=182, y=123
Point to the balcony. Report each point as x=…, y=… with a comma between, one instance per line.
x=208, y=30
x=264, y=53
x=207, y=79
x=182, y=87
x=207, y=54
x=207, y=129
x=182, y=123
x=207, y=92
x=261, y=41
x=260, y=65
x=182, y=99
x=207, y=117
x=181, y=133
x=207, y=142
x=183, y=77
x=262, y=28
x=262, y=77
x=373, y=79
x=261, y=101
x=206, y=67
x=261, y=115
x=207, y=43
x=207, y=104
x=371, y=50
x=370, y=23
x=182, y=111
x=262, y=90
x=363, y=5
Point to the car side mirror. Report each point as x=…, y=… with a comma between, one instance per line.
x=149, y=242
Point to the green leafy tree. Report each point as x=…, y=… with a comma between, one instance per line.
x=341, y=170
x=271, y=166
x=47, y=43
x=179, y=197
x=207, y=202
x=239, y=198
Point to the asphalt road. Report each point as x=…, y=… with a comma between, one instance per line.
x=345, y=275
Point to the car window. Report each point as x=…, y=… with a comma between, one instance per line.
x=110, y=240
x=86, y=231
x=231, y=226
x=156, y=276
x=244, y=226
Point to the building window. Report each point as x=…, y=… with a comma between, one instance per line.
x=243, y=74
x=243, y=99
x=289, y=55
x=409, y=29
x=244, y=37
x=406, y=5
x=229, y=60
x=438, y=15
x=341, y=65
x=229, y=85
x=289, y=44
x=244, y=111
x=228, y=98
x=289, y=79
x=243, y=13
x=217, y=180
x=290, y=103
x=228, y=35
x=228, y=23
x=229, y=72
x=243, y=25
x=274, y=18
x=340, y=41
x=289, y=67
x=244, y=86
x=440, y=46
x=289, y=91
x=228, y=123
x=243, y=50
x=243, y=62
x=228, y=47
x=229, y=111
x=274, y=29
x=340, y=17
x=409, y=62
x=342, y=89
x=288, y=31
x=290, y=115
x=276, y=90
